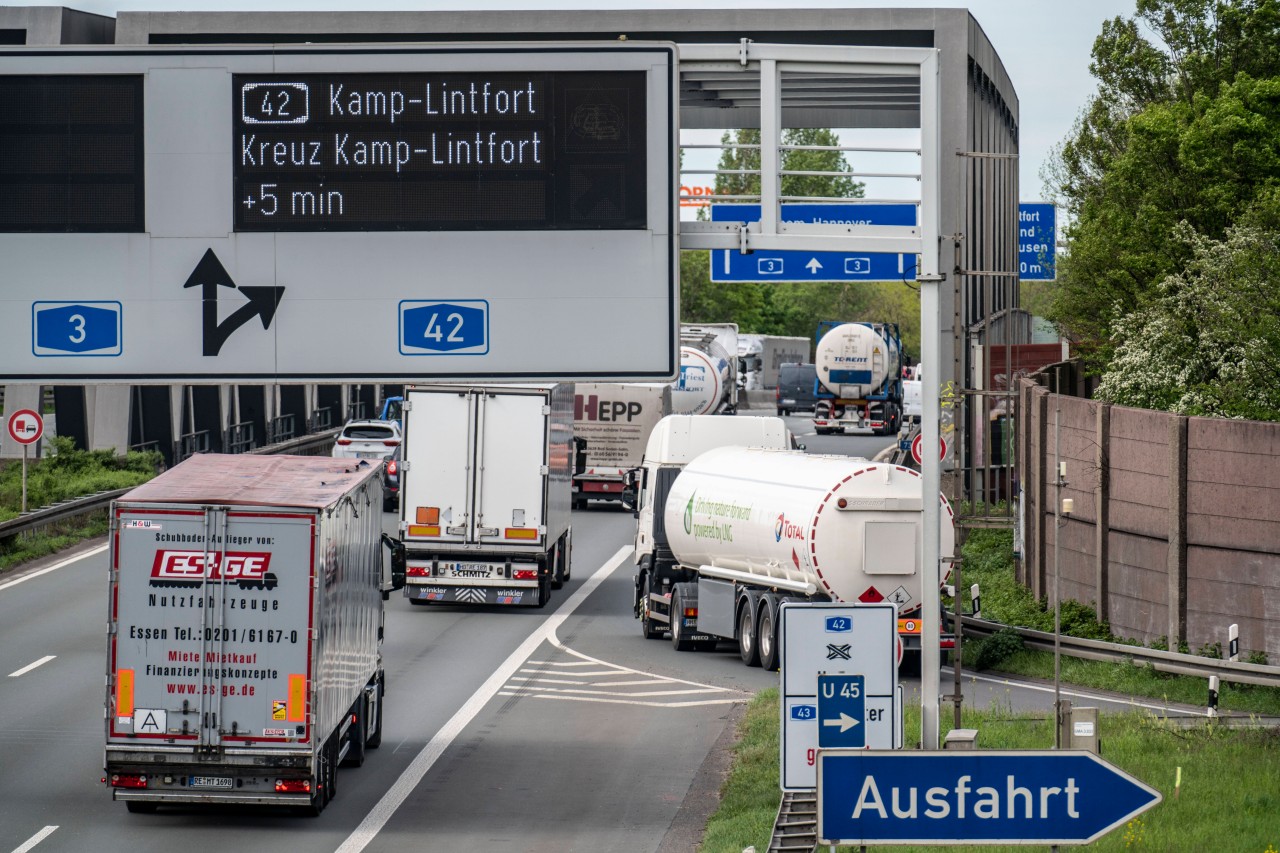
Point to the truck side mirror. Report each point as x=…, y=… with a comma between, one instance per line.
x=631, y=489
x=396, y=547
x=629, y=498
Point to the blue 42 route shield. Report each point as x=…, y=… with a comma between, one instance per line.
x=980, y=797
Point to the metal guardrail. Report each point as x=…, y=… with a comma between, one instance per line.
x=307, y=445
x=1175, y=663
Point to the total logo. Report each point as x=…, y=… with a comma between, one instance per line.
x=786, y=529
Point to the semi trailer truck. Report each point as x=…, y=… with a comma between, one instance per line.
x=708, y=380
x=485, y=493
x=859, y=379
x=727, y=532
x=612, y=420
x=245, y=628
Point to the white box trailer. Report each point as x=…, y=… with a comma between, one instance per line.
x=244, y=648
x=485, y=485
x=613, y=421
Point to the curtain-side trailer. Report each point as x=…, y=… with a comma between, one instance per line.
x=245, y=625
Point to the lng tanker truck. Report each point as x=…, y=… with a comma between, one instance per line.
x=745, y=529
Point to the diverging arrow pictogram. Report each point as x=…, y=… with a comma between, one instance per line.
x=209, y=275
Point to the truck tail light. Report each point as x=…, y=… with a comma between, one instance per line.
x=525, y=574
x=691, y=613
x=293, y=786
x=128, y=780
x=418, y=571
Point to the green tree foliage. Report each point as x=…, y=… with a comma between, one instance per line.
x=791, y=308
x=1209, y=342
x=1184, y=127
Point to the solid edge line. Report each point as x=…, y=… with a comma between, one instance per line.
x=53, y=568
x=44, y=660
x=423, y=761
x=31, y=842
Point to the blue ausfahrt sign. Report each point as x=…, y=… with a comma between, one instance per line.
x=1037, y=238
x=728, y=265
x=459, y=327
x=978, y=797
x=76, y=328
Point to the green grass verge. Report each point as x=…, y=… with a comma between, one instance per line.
x=1228, y=801
x=69, y=473
x=988, y=562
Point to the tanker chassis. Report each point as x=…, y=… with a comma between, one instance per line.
x=244, y=647
x=744, y=530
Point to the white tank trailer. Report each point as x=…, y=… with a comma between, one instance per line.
x=859, y=367
x=750, y=528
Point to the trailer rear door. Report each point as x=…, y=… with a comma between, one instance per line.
x=211, y=617
x=439, y=445
x=512, y=465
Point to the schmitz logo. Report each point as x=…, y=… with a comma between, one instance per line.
x=238, y=566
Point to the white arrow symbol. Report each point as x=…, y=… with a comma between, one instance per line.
x=845, y=722
x=813, y=266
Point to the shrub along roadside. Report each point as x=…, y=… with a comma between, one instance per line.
x=68, y=473
x=1230, y=778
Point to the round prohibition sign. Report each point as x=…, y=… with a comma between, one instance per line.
x=918, y=442
x=26, y=426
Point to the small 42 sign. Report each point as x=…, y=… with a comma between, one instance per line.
x=26, y=426
x=918, y=442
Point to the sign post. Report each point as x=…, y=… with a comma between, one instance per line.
x=25, y=427
x=973, y=797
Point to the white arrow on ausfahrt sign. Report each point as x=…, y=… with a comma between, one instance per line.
x=813, y=266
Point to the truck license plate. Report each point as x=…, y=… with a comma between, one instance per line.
x=210, y=782
x=474, y=570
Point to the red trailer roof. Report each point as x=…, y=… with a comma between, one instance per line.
x=249, y=480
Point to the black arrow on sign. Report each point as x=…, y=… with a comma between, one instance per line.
x=209, y=275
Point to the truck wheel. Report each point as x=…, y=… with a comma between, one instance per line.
x=768, y=634
x=648, y=627
x=748, y=639
x=678, y=640
x=136, y=807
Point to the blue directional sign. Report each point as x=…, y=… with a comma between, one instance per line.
x=769, y=265
x=457, y=327
x=973, y=797
x=1037, y=238
x=842, y=702
x=76, y=329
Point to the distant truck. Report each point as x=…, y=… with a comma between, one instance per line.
x=728, y=532
x=485, y=492
x=859, y=379
x=244, y=648
x=760, y=359
x=708, y=381
x=613, y=421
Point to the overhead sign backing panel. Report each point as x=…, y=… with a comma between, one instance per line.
x=329, y=213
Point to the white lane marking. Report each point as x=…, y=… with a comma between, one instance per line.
x=31, y=842
x=44, y=660
x=53, y=568
x=701, y=703
x=430, y=754
x=1094, y=696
